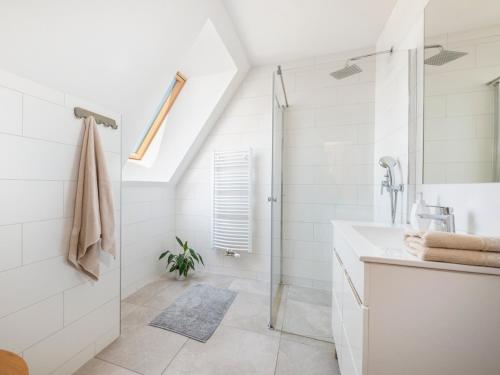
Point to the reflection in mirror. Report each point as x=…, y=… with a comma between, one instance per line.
x=461, y=92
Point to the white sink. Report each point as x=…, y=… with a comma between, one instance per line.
x=381, y=243
x=385, y=237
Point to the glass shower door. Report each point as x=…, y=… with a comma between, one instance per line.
x=275, y=205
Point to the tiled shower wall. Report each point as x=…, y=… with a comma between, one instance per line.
x=147, y=229
x=327, y=167
x=327, y=161
x=460, y=109
x=50, y=313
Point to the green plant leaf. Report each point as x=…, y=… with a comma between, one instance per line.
x=163, y=254
x=179, y=241
x=171, y=258
x=201, y=259
x=193, y=254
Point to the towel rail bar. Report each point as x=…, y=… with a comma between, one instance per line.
x=99, y=119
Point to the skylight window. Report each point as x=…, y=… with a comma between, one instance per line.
x=151, y=130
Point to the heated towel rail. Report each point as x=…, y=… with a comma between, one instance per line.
x=232, y=204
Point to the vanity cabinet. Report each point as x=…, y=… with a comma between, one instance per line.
x=393, y=314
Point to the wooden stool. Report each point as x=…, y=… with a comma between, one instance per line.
x=12, y=364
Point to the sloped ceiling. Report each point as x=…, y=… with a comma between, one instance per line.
x=276, y=31
x=213, y=72
x=118, y=53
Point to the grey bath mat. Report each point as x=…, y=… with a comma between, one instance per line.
x=197, y=312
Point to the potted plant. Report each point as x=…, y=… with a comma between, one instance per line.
x=182, y=262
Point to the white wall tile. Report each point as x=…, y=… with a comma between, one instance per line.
x=10, y=246
x=84, y=298
x=51, y=122
x=39, y=138
x=46, y=239
x=74, y=363
x=53, y=161
x=45, y=356
x=11, y=104
x=23, y=201
x=26, y=327
x=35, y=282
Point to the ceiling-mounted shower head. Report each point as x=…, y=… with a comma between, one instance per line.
x=443, y=56
x=352, y=69
x=347, y=71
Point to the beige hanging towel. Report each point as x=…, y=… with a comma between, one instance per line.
x=93, y=222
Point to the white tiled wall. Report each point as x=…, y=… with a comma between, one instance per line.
x=403, y=31
x=246, y=122
x=327, y=167
x=50, y=313
x=460, y=109
x=476, y=205
x=147, y=229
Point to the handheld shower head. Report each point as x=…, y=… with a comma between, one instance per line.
x=389, y=163
x=388, y=183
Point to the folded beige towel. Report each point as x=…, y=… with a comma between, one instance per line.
x=93, y=222
x=473, y=258
x=455, y=241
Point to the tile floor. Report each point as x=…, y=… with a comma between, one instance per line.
x=241, y=345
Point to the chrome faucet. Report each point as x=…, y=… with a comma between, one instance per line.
x=444, y=216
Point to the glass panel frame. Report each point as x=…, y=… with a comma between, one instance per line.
x=276, y=207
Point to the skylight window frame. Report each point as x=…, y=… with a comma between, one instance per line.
x=162, y=113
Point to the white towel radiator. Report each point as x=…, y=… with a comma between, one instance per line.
x=232, y=203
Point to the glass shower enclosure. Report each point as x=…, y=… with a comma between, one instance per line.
x=275, y=199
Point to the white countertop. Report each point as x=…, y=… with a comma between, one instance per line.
x=381, y=243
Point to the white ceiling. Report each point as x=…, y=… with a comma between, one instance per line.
x=283, y=30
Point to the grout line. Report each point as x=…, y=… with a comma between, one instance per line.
x=277, y=356
x=175, y=356
x=114, y=364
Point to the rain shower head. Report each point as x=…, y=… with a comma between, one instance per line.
x=443, y=56
x=351, y=69
x=347, y=71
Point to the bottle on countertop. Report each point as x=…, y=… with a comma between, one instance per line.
x=419, y=207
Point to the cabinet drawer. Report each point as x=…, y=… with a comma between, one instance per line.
x=338, y=281
x=346, y=365
x=354, y=316
x=336, y=325
x=350, y=261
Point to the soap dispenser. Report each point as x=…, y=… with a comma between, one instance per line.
x=419, y=207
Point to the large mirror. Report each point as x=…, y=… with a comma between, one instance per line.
x=461, y=92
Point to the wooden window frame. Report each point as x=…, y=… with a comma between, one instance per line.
x=180, y=80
